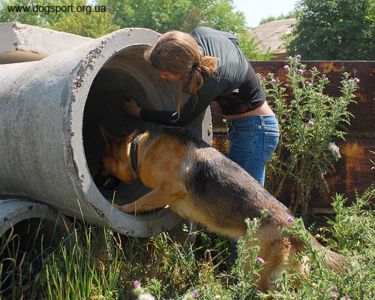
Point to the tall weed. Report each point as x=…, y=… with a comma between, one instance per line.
x=310, y=122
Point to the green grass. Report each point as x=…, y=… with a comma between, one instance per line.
x=95, y=263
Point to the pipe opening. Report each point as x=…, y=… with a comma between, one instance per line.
x=23, y=250
x=125, y=75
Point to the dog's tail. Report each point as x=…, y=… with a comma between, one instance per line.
x=331, y=260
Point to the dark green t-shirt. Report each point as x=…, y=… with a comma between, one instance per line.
x=234, y=72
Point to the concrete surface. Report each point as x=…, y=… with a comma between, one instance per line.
x=16, y=210
x=21, y=42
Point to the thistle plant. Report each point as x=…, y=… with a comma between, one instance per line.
x=91, y=263
x=248, y=263
x=310, y=122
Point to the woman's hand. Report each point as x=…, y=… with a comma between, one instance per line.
x=131, y=107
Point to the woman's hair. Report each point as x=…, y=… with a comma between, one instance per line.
x=178, y=53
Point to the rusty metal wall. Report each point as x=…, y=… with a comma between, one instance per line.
x=353, y=171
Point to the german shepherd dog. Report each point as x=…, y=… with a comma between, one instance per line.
x=202, y=185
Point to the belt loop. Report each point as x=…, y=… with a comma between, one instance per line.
x=262, y=121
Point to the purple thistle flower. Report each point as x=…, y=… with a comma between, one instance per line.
x=334, y=288
x=298, y=57
x=324, y=75
x=286, y=67
x=301, y=71
x=195, y=293
x=290, y=219
x=310, y=123
x=260, y=260
x=136, y=284
x=353, y=80
x=273, y=81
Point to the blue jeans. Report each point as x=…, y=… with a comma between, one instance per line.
x=252, y=140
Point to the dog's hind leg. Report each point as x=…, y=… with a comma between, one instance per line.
x=157, y=198
x=276, y=255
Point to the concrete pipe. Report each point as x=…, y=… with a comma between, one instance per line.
x=14, y=212
x=29, y=231
x=51, y=113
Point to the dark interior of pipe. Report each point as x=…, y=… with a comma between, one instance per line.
x=23, y=249
x=103, y=109
x=125, y=75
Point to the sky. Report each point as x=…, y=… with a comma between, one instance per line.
x=255, y=10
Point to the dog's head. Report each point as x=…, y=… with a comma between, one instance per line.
x=116, y=160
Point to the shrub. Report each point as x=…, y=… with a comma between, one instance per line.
x=310, y=122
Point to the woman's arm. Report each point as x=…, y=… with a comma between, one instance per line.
x=193, y=107
x=190, y=110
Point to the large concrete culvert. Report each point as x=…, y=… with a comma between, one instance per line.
x=51, y=113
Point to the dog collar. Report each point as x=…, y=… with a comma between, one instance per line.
x=134, y=155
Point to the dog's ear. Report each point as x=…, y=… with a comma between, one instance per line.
x=107, y=137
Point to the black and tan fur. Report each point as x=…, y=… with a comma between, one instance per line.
x=203, y=186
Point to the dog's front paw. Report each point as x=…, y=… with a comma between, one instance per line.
x=127, y=208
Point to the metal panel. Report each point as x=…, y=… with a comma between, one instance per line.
x=353, y=172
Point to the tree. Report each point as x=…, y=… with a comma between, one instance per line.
x=159, y=15
x=184, y=15
x=334, y=29
x=281, y=17
x=94, y=25
x=165, y=15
